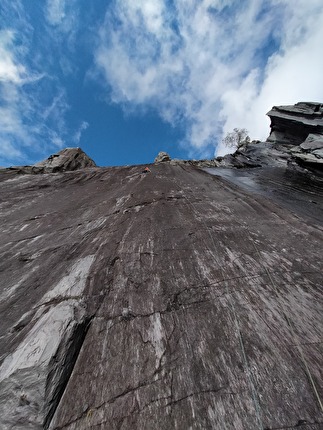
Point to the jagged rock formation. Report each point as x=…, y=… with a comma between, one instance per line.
x=292, y=124
x=67, y=159
x=162, y=157
x=300, y=129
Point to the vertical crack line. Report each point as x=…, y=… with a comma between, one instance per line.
x=61, y=368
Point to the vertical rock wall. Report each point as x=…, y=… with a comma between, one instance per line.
x=156, y=301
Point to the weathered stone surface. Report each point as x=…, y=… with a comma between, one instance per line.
x=160, y=301
x=67, y=159
x=308, y=159
x=292, y=124
x=318, y=153
x=313, y=141
x=162, y=157
x=298, y=129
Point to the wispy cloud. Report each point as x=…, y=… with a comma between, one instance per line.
x=27, y=124
x=14, y=104
x=9, y=70
x=55, y=11
x=33, y=101
x=77, y=135
x=212, y=65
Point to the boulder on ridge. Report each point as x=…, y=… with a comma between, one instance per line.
x=162, y=157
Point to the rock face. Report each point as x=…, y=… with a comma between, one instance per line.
x=67, y=159
x=292, y=124
x=162, y=157
x=174, y=300
x=300, y=129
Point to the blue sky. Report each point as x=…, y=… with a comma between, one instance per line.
x=126, y=79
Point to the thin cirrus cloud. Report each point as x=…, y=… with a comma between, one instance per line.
x=212, y=65
x=13, y=75
x=24, y=123
x=77, y=135
x=55, y=11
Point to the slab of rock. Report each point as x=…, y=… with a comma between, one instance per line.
x=313, y=141
x=173, y=300
x=310, y=159
x=318, y=153
x=299, y=128
x=291, y=125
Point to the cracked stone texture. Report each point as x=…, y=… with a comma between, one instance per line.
x=174, y=300
x=292, y=124
x=298, y=128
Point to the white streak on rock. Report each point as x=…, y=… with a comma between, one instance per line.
x=41, y=341
x=24, y=373
x=73, y=283
x=156, y=336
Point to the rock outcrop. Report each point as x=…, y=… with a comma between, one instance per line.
x=296, y=136
x=162, y=157
x=300, y=129
x=67, y=159
x=290, y=125
x=173, y=300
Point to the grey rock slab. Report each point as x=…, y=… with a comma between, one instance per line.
x=292, y=125
x=170, y=300
x=313, y=141
x=25, y=373
x=306, y=113
x=318, y=153
x=310, y=158
x=298, y=191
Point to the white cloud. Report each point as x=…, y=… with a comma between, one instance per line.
x=27, y=124
x=55, y=11
x=213, y=64
x=63, y=19
x=8, y=152
x=10, y=71
x=62, y=30
x=78, y=134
